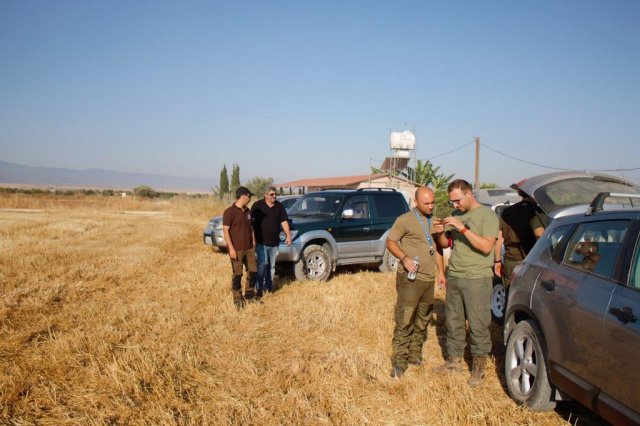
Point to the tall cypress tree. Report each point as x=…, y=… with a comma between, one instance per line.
x=224, y=181
x=235, y=177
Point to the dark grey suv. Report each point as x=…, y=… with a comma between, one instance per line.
x=571, y=326
x=559, y=194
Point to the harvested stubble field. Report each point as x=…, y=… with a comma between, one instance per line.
x=114, y=312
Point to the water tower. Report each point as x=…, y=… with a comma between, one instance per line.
x=402, y=151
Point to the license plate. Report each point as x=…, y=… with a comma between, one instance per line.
x=208, y=240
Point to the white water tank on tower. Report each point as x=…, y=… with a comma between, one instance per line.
x=402, y=141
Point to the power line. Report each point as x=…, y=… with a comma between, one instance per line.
x=524, y=161
x=619, y=169
x=557, y=168
x=449, y=152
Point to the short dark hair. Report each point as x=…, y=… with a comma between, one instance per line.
x=459, y=184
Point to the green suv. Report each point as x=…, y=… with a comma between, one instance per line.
x=341, y=227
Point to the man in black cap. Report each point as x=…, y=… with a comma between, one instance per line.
x=241, y=243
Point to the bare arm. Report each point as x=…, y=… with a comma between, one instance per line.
x=395, y=250
x=441, y=280
x=287, y=231
x=538, y=232
x=439, y=236
x=497, y=255
x=480, y=243
x=442, y=240
x=227, y=237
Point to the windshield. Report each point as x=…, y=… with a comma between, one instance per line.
x=569, y=192
x=316, y=205
x=288, y=202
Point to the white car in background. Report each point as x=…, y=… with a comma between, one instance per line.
x=213, y=235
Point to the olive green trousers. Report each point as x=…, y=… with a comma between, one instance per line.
x=413, y=311
x=468, y=299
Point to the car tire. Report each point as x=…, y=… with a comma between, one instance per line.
x=498, y=301
x=525, y=367
x=314, y=264
x=389, y=262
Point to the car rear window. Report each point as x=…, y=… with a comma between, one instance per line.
x=570, y=192
x=389, y=205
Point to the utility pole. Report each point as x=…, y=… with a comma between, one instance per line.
x=477, y=177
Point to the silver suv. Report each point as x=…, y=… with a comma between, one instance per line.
x=571, y=327
x=213, y=235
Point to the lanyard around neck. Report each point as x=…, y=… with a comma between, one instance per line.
x=426, y=234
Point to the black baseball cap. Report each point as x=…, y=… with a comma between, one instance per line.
x=243, y=190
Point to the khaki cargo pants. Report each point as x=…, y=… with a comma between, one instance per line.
x=413, y=311
x=246, y=258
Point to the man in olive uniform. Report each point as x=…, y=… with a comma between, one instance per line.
x=241, y=242
x=469, y=279
x=520, y=226
x=413, y=235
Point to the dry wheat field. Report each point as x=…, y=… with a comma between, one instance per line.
x=113, y=311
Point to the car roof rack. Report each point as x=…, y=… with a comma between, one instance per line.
x=356, y=189
x=378, y=189
x=598, y=202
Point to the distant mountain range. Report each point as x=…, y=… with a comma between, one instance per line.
x=19, y=174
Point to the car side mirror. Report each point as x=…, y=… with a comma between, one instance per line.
x=347, y=214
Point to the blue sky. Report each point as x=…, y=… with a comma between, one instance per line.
x=293, y=89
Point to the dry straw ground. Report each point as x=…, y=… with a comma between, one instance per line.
x=112, y=311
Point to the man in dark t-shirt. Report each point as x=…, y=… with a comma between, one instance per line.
x=520, y=226
x=268, y=216
x=241, y=242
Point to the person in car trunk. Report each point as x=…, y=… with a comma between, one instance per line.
x=520, y=226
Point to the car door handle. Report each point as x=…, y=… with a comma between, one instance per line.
x=366, y=229
x=625, y=314
x=549, y=285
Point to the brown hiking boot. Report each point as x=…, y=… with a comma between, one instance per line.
x=453, y=363
x=477, y=371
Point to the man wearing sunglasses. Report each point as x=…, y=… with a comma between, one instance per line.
x=474, y=229
x=269, y=215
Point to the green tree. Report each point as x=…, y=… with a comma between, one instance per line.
x=428, y=174
x=258, y=184
x=235, y=177
x=224, y=182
